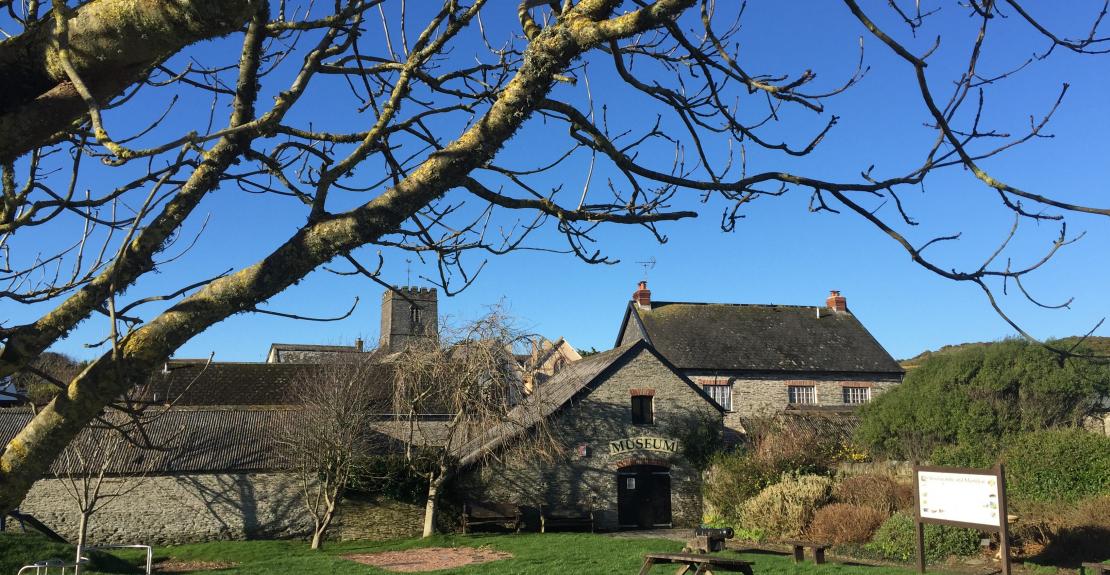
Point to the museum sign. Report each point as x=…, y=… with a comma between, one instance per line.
x=644, y=443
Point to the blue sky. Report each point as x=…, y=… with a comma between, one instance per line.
x=780, y=253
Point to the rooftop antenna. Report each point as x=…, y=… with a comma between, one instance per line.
x=408, y=273
x=647, y=265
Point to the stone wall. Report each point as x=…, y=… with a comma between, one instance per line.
x=377, y=519
x=178, y=509
x=758, y=394
x=165, y=510
x=589, y=477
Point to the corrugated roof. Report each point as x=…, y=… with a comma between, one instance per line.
x=212, y=439
x=188, y=441
x=746, y=337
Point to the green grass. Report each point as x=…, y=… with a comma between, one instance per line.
x=533, y=554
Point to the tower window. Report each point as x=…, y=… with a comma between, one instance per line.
x=414, y=314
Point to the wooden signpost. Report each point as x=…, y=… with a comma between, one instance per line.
x=961, y=497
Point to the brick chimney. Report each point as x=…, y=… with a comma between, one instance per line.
x=642, y=296
x=837, y=302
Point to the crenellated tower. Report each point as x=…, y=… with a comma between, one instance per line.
x=412, y=313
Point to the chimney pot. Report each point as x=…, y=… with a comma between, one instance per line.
x=642, y=296
x=837, y=302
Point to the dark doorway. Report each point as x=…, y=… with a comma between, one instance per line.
x=644, y=496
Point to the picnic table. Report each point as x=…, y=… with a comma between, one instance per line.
x=700, y=564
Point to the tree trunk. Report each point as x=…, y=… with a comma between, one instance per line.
x=82, y=532
x=431, y=507
x=324, y=522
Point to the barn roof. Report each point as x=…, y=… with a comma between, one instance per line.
x=236, y=439
x=199, y=382
x=747, y=337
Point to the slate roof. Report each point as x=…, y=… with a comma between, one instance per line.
x=746, y=337
x=308, y=353
x=198, y=382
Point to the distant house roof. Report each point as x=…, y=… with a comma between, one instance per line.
x=311, y=353
x=746, y=337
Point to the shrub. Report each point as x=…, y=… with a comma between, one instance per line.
x=1059, y=531
x=393, y=477
x=842, y=523
x=981, y=395
x=800, y=444
x=878, y=492
x=1063, y=464
x=974, y=454
x=786, y=508
x=732, y=479
x=895, y=540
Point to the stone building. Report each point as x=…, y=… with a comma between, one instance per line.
x=624, y=418
x=758, y=360
x=630, y=421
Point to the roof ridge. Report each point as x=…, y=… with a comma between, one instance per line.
x=800, y=306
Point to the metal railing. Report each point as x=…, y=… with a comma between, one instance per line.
x=60, y=567
x=44, y=568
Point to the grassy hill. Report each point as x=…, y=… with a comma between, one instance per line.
x=1097, y=345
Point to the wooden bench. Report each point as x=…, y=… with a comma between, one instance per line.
x=701, y=564
x=799, y=550
x=1096, y=569
x=566, y=517
x=487, y=513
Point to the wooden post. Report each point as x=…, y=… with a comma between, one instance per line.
x=1004, y=528
x=918, y=527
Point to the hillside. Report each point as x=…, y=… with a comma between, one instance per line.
x=1098, y=345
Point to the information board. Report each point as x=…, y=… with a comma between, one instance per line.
x=971, y=498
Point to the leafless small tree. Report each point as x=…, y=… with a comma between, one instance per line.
x=471, y=377
x=331, y=438
x=102, y=465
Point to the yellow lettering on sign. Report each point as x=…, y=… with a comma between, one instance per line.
x=643, y=443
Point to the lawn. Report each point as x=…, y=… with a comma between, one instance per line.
x=532, y=554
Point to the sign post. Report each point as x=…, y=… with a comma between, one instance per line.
x=961, y=497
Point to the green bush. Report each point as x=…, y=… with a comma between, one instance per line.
x=733, y=478
x=786, y=508
x=1064, y=464
x=983, y=396
x=394, y=477
x=895, y=540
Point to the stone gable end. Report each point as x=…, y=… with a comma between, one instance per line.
x=600, y=439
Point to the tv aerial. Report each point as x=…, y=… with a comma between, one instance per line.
x=648, y=265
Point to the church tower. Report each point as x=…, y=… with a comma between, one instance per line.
x=407, y=315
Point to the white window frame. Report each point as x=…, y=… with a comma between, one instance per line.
x=797, y=394
x=705, y=387
x=850, y=391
